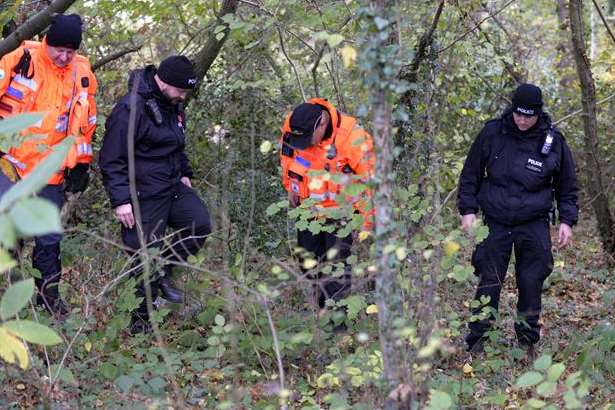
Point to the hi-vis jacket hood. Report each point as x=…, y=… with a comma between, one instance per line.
x=322, y=171
x=31, y=82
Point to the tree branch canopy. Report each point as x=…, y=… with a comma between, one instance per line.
x=33, y=26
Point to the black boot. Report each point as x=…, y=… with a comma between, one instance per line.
x=140, y=323
x=49, y=298
x=169, y=291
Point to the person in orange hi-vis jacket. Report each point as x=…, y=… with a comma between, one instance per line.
x=51, y=78
x=322, y=152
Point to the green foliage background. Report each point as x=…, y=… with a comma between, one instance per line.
x=218, y=349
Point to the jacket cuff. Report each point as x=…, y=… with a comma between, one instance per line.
x=117, y=202
x=467, y=211
x=567, y=222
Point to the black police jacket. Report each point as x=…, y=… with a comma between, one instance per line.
x=511, y=181
x=159, y=140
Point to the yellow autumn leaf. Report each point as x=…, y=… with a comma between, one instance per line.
x=309, y=263
x=265, y=147
x=12, y=348
x=88, y=346
x=371, y=309
x=363, y=235
x=451, y=247
x=467, y=369
x=349, y=55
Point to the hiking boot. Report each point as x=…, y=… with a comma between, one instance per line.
x=530, y=353
x=477, y=347
x=54, y=305
x=169, y=291
x=139, y=324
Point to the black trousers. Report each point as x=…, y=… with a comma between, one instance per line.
x=326, y=286
x=184, y=212
x=533, y=263
x=46, y=253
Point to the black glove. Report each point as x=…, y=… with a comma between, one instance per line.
x=77, y=178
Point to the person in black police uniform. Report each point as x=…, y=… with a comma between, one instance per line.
x=516, y=166
x=163, y=173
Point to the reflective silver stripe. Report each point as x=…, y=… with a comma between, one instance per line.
x=14, y=161
x=320, y=197
x=84, y=149
x=30, y=83
x=332, y=196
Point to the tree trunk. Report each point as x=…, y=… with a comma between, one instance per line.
x=379, y=54
x=33, y=26
x=206, y=56
x=593, y=167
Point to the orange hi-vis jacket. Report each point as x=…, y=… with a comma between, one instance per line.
x=348, y=151
x=64, y=94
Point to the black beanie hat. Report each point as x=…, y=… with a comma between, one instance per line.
x=177, y=71
x=527, y=100
x=65, y=31
x=302, y=123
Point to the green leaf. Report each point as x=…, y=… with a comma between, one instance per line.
x=33, y=332
x=219, y=319
x=303, y=337
x=543, y=362
x=380, y=23
x=35, y=216
x=6, y=261
x=8, y=238
x=555, y=372
x=546, y=389
x=109, y=370
x=272, y=209
x=64, y=374
x=19, y=122
x=529, y=379
x=334, y=40
x=354, y=189
x=38, y=177
x=439, y=400
x=536, y=404
x=354, y=305
x=124, y=382
x=15, y=298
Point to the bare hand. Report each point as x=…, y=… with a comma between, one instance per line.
x=565, y=235
x=468, y=221
x=186, y=181
x=125, y=216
